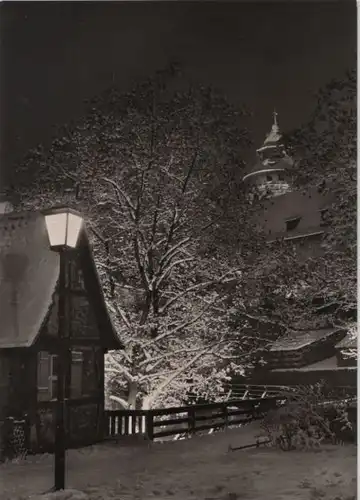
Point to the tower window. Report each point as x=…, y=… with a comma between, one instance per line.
x=324, y=214
x=292, y=224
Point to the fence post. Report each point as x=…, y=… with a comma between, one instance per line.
x=254, y=412
x=105, y=430
x=149, y=429
x=191, y=420
x=126, y=424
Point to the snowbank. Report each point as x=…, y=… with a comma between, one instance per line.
x=61, y=495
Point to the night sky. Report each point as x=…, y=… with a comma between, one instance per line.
x=55, y=55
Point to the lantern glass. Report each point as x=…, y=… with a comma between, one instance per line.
x=63, y=228
x=73, y=230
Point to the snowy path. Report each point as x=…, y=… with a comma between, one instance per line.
x=197, y=469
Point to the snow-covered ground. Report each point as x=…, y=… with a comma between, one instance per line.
x=200, y=468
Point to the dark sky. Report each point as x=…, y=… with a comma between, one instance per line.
x=54, y=55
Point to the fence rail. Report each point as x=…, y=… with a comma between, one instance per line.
x=160, y=423
x=248, y=391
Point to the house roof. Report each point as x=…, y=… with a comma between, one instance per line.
x=29, y=273
x=298, y=339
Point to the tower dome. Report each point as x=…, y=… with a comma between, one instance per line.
x=269, y=176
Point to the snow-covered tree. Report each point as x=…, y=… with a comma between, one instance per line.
x=195, y=290
x=152, y=171
x=328, y=145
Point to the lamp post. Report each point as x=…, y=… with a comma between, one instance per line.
x=63, y=228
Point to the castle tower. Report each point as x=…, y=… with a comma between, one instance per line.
x=270, y=176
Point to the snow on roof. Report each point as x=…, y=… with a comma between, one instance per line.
x=274, y=136
x=299, y=339
x=350, y=341
x=28, y=276
x=283, y=164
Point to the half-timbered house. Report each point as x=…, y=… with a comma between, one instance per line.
x=29, y=346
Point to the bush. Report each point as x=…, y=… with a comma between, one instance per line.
x=310, y=417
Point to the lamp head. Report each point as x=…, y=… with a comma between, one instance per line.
x=63, y=227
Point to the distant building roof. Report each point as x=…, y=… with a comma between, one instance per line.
x=350, y=340
x=325, y=364
x=298, y=339
x=274, y=137
x=29, y=273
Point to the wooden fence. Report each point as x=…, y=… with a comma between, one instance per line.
x=188, y=420
x=250, y=391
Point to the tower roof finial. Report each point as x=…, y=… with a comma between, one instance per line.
x=275, y=115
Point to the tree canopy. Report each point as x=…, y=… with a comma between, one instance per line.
x=153, y=171
x=327, y=147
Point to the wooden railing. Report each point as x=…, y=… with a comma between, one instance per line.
x=188, y=420
x=249, y=391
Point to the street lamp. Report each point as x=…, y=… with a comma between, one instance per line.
x=63, y=228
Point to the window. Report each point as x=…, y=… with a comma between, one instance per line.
x=281, y=177
x=46, y=376
x=269, y=178
x=292, y=224
x=85, y=372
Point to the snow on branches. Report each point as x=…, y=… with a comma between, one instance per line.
x=150, y=171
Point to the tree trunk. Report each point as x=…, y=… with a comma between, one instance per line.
x=147, y=403
x=133, y=391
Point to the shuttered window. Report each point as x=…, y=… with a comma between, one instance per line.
x=46, y=376
x=85, y=374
